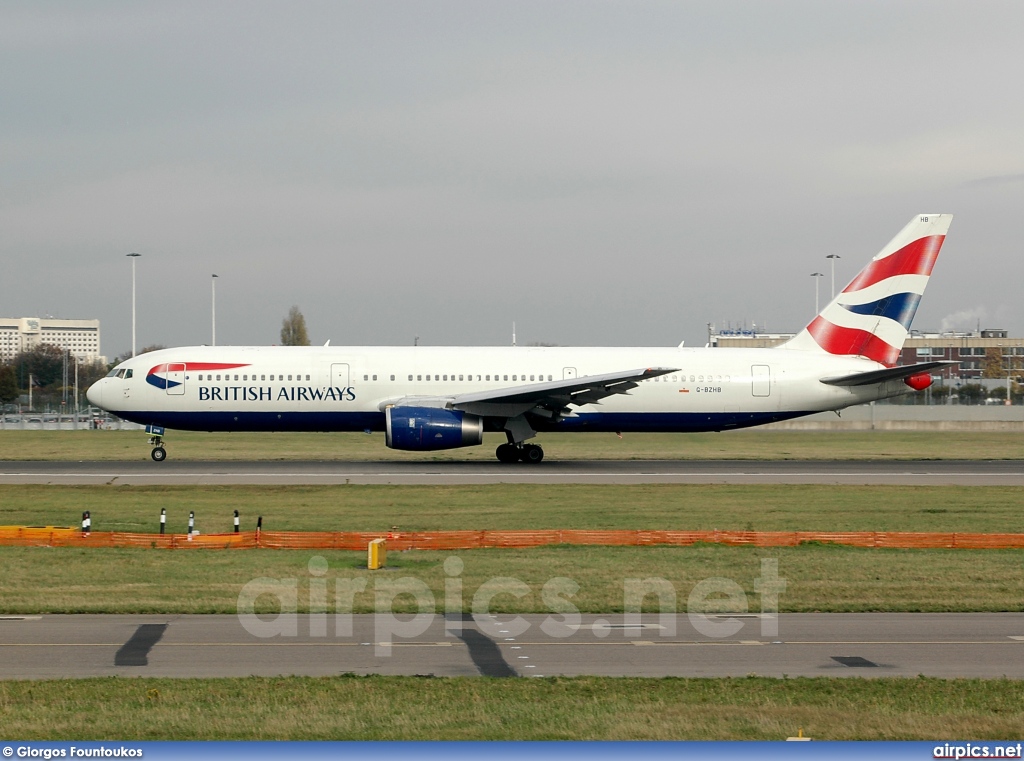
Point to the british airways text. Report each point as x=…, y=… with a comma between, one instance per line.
x=266, y=394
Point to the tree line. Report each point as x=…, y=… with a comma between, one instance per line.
x=43, y=367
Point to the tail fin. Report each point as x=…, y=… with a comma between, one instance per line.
x=871, y=317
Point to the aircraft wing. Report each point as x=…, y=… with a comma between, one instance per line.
x=886, y=374
x=551, y=399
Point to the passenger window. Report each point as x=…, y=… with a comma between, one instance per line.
x=418, y=377
x=531, y=377
x=366, y=377
x=446, y=377
x=264, y=377
x=218, y=377
x=236, y=377
x=549, y=377
x=393, y=377
x=375, y=376
x=513, y=377
x=289, y=377
x=410, y=377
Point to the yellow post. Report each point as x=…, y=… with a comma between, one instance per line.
x=377, y=554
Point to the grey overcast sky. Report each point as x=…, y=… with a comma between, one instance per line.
x=601, y=173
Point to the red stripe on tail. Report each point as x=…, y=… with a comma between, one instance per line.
x=852, y=341
x=915, y=258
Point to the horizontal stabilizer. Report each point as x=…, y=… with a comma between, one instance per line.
x=887, y=374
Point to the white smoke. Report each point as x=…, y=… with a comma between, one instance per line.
x=965, y=320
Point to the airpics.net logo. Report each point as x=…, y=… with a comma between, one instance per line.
x=711, y=605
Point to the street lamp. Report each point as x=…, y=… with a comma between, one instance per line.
x=133, y=257
x=816, y=276
x=833, y=257
x=213, y=308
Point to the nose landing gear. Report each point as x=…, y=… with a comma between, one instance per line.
x=156, y=440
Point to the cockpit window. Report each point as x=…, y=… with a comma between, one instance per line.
x=127, y=374
x=113, y=373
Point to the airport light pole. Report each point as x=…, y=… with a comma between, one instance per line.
x=133, y=257
x=817, y=277
x=833, y=257
x=213, y=309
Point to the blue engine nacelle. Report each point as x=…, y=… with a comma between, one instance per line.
x=420, y=429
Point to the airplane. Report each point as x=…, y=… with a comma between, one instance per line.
x=432, y=398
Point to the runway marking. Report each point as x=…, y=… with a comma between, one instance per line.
x=854, y=661
x=135, y=652
x=505, y=473
x=567, y=642
x=234, y=644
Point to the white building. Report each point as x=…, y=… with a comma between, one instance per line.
x=79, y=337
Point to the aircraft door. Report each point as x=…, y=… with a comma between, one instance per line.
x=339, y=374
x=568, y=373
x=761, y=380
x=176, y=379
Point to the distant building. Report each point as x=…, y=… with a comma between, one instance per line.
x=973, y=350
x=79, y=337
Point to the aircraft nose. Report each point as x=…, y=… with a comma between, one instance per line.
x=95, y=394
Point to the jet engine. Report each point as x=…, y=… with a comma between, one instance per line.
x=420, y=429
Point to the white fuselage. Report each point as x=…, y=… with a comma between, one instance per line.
x=347, y=388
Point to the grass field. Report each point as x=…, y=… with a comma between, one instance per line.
x=754, y=444
x=410, y=708
x=825, y=578
x=767, y=507
x=818, y=578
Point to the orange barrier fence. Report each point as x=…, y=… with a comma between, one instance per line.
x=50, y=536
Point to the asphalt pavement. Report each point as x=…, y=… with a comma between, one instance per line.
x=854, y=472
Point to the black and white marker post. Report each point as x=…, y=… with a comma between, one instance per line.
x=191, y=523
x=86, y=523
x=236, y=521
x=163, y=519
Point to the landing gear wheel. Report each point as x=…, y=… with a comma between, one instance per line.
x=159, y=454
x=532, y=454
x=507, y=453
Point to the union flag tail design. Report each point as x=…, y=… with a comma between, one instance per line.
x=871, y=317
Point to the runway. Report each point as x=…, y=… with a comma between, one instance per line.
x=988, y=645
x=884, y=472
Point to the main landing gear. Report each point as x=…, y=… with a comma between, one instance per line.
x=529, y=453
